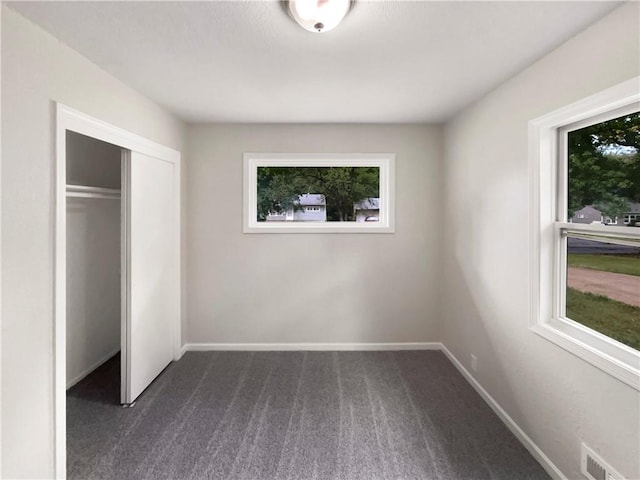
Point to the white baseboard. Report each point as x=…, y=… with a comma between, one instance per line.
x=281, y=347
x=529, y=444
x=77, y=378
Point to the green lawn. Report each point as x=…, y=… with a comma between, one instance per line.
x=617, y=320
x=629, y=264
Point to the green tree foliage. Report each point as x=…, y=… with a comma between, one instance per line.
x=613, y=206
x=604, y=165
x=280, y=187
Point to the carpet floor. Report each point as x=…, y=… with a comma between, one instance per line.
x=405, y=415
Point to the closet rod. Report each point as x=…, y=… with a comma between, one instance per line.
x=83, y=191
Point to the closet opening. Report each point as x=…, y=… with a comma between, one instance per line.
x=93, y=271
x=117, y=276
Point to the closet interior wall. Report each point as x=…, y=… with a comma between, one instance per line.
x=93, y=254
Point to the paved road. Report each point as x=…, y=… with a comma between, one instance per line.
x=580, y=245
x=624, y=288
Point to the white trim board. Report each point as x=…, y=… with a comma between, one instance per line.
x=69, y=119
x=526, y=441
x=0, y=251
x=329, y=347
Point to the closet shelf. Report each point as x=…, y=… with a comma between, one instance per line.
x=83, y=191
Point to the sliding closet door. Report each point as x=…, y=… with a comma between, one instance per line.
x=150, y=262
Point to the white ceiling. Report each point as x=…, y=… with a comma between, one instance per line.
x=247, y=61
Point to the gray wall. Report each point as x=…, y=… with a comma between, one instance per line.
x=93, y=257
x=557, y=398
x=37, y=69
x=320, y=288
x=92, y=162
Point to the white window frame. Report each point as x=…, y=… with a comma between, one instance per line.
x=549, y=226
x=384, y=161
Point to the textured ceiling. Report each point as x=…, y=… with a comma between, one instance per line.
x=247, y=61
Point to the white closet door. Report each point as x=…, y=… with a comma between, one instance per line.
x=150, y=299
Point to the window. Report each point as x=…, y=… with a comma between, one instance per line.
x=599, y=163
x=632, y=220
x=317, y=193
x=586, y=274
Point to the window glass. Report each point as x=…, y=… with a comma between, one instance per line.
x=318, y=194
x=604, y=172
x=603, y=286
x=603, y=271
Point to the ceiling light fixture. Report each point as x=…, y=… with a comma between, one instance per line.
x=318, y=15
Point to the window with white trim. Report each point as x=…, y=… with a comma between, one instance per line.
x=586, y=275
x=279, y=181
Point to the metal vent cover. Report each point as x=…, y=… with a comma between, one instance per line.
x=593, y=467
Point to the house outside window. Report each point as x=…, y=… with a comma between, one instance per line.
x=309, y=207
x=586, y=252
x=633, y=219
x=367, y=210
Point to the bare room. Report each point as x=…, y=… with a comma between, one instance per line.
x=320, y=239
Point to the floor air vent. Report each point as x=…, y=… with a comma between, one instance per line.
x=594, y=468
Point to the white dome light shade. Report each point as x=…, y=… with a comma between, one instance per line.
x=319, y=15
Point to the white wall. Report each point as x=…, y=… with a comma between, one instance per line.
x=319, y=288
x=93, y=284
x=36, y=70
x=558, y=399
x=93, y=257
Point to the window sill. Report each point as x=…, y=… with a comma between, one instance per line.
x=317, y=227
x=617, y=360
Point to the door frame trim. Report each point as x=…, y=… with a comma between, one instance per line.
x=69, y=119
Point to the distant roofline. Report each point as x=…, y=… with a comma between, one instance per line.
x=633, y=208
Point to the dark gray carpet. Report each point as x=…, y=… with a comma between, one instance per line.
x=293, y=415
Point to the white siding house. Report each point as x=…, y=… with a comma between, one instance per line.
x=310, y=207
x=367, y=210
